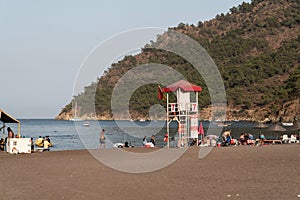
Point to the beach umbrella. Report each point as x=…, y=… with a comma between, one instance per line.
x=276, y=128
x=201, y=130
x=260, y=126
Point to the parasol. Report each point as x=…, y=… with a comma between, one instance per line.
x=201, y=130
x=276, y=128
x=260, y=126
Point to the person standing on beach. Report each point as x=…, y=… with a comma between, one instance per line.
x=46, y=145
x=10, y=133
x=102, y=139
x=32, y=145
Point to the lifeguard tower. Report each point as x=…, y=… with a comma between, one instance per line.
x=185, y=111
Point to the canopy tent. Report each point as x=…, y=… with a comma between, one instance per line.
x=6, y=118
x=184, y=85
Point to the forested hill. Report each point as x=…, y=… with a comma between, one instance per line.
x=256, y=47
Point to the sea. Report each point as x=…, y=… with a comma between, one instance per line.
x=68, y=135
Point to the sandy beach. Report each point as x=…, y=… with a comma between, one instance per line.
x=243, y=172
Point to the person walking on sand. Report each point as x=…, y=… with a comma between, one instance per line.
x=102, y=139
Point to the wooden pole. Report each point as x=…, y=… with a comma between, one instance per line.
x=3, y=132
x=168, y=131
x=197, y=117
x=19, y=130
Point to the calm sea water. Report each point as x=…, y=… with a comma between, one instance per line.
x=66, y=135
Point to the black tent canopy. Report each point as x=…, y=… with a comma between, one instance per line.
x=6, y=118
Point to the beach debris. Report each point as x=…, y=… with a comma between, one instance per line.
x=298, y=195
x=228, y=195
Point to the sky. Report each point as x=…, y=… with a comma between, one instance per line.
x=44, y=43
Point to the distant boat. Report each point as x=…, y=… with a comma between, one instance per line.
x=86, y=124
x=142, y=120
x=287, y=123
x=75, y=118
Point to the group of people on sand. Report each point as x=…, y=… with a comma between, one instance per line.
x=102, y=143
x=244, y=139
x=151, y=142
x=43, y=142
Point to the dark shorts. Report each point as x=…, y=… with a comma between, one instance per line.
x=102, y=141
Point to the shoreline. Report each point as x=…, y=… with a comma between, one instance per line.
x=265, y=172
x=159, y=120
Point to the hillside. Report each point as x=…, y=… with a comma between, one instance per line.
x=256, y=47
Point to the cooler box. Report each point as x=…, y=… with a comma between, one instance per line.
x=18, y=145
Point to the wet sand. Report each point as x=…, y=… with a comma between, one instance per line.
x=243, y=172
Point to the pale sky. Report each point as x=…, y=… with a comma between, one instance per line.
x=43, y=43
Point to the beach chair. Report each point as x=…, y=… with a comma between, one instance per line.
x=213, y=143
x=285, y=139
x=293, y=139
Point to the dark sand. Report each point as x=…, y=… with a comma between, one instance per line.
x=268, y=172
